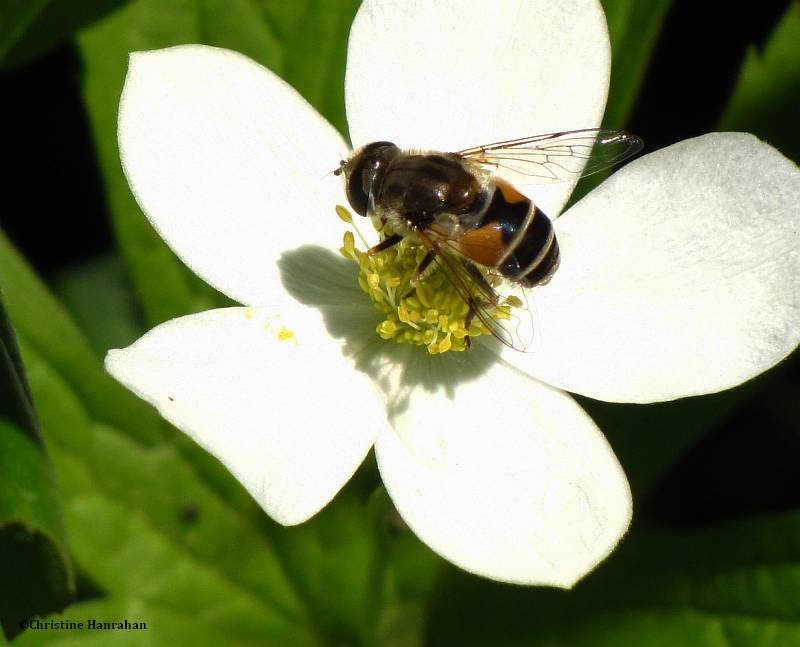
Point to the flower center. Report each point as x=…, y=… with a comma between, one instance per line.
x=428, y=312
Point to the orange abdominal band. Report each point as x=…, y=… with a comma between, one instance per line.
x=484, y=245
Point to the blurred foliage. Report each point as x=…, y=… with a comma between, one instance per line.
x=35, y=564
x=633, y=28
x=162, y=533
x=44, y=327
x=100, y=299
x=767, y=96
x=648, y=439
x=737, y=584
x=29, y=28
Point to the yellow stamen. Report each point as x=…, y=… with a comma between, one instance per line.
x=344, y=214
x=427, y=311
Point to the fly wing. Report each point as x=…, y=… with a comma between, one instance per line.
x=556, y=157
x=511, y=326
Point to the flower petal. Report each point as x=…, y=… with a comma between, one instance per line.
x=268, y=393
x=502, y=475
x=450, y=74
x=229, y=164
x=679, y=276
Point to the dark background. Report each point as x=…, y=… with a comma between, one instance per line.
x=56, y=214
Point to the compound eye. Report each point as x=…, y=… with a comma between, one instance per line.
x=369, y=165
x=358, y=186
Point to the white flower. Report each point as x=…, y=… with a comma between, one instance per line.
x=679, y=276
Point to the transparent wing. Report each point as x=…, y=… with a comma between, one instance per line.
x=515, y=331
x=556, y=157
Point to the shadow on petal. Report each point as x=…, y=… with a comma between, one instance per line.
x=318, y=278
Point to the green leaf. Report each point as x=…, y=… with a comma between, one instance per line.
x=634, y=28
x=29, y=28
x=735, y=584
x=36, y=576
x=274, y=34
x=100, y=299
x=412, y=573
x=316, y=72
x=337, y=561
x=767, y=94
x=36, y=572
x=45, y=326
x=16, y=16
x=16, y=401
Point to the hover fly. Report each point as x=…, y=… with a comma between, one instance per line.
x=464, y=209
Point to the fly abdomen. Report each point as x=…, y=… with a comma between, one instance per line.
x=533, y=255
x=514, y=237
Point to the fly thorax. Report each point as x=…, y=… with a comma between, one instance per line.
x=428, y=185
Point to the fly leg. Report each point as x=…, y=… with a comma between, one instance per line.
x=468, y=320
x=386, y=243
x=480, y=280
x=423, y=265
x=487, y=297
x=473, y=303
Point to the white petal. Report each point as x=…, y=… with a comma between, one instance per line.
x=679, y=276
x=229, y=164
x=450, y=74
x=268, y=392
x=502, y=475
